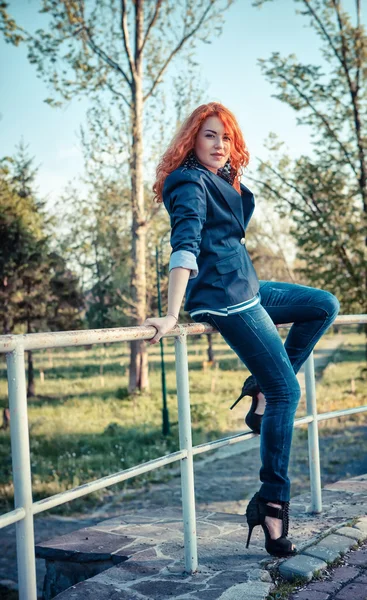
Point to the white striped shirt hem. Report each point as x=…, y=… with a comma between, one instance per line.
x=229, y=310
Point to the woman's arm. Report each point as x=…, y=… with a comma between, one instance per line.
x=177, y=283
x=185, y=201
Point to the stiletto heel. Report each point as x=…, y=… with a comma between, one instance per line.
x=257, y=510
x=249, y=535
x=249, y=388
x=252, y=419
x=252, y=515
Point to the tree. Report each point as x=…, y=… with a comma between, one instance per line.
x=271, y=247
x=23, y=241
x=66, y=303
x=37, y=291
x=326, y=193
x=87, y=50
x=95, y=239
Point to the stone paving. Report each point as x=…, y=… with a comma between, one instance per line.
x=154, y=567
x=147, y=548
x=346, y=582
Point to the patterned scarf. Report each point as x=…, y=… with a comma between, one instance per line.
x=227, y=172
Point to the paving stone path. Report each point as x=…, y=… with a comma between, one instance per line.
x=146, y=548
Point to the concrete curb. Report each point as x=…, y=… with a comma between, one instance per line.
x=321, y=553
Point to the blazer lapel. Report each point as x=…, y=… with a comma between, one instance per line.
x=248, y=203
x=231, y=196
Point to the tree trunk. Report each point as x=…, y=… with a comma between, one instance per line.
x=138, y=373
x=31, y=387
x=210, y=348
x=6, y=325
x=101, y=293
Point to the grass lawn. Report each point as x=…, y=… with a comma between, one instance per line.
x=83, y=425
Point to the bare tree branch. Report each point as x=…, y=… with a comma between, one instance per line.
x=176, y=50
x=325, y=227
x=120, y=94
x=357, y=45
x=357, y=121
x=353, y=88
x=278, y=194
x=102, y=54
x=125, y=37
x=320, y=24
x=153, y=20
x=323, y=119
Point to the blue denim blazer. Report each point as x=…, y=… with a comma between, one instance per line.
x=208, y=224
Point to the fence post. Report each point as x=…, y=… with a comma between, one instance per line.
x=21, y=473
x=313, y=436
x=187, y=464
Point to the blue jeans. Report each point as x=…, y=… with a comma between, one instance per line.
x=255, y=339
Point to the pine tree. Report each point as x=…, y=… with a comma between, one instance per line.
x=37, y=291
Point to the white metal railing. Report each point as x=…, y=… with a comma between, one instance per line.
x=14, y=347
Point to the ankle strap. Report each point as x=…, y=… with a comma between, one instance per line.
x=270, y=511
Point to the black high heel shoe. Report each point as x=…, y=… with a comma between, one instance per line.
x=256, y=511
x=251, y=388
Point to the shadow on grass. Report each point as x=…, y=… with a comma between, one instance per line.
x=85, y=371
x=349, y=354
x=76, y=371
x=102, y=394
x=64, y=461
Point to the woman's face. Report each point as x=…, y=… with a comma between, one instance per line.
x=212, y=144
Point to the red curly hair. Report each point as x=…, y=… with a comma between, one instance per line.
x=184, y=141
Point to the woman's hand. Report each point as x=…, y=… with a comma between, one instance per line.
x=162, y=325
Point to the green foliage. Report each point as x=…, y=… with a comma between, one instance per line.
x=37, y=291
x=325, y=194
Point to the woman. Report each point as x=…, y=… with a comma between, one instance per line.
x=198, y=180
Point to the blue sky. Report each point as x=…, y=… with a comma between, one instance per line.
x=228, y=65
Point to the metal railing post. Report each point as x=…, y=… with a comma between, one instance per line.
x=21, y=473
x=313, y=436
x=187, y=464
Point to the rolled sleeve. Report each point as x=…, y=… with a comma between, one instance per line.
x=186, y=259
x=187, y=209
